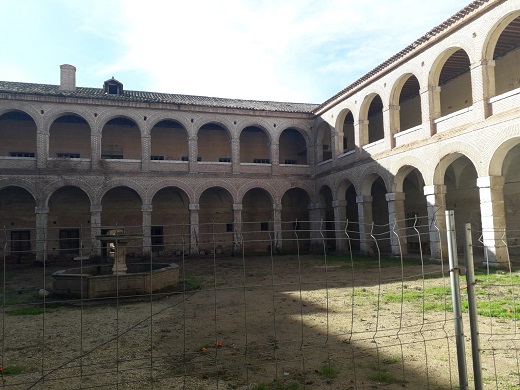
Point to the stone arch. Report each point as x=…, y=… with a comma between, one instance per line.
x=371, y=118
x=31, y=111
x=126, y=144
x=56, y=113
x=370, y=175
x=183, y=120
x=262, y=185
x=346, y=138
x=24, y=184
x=324, y=133
x=293, y=150
x=401, y=169
x=54, y=186
x=20, y=128
x=165, y=183
x=67, y=126
x=215, y=183
x=509, y=140
x=225, y=123
x=255, y=144
x=406, y=95
x=115, y=183
x=451, y=152
x=169, y=140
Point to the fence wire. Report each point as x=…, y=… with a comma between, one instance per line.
x=247, y=306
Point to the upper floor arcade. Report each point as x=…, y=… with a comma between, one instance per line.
x=461, y=74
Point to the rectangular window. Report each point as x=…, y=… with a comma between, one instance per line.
x=184, y=158
x=229, y=227
x=67, y=155
x=111, y=156
x=291, y=162
x=21, y=154
x=157, y=236
x=262, y=161
x=69, y=241
x=199, y=158
x=264, y=226
x=224, y=159
x=20, y=242
x=156, y=158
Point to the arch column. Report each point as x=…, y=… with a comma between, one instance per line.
x=237, y=227
x=491, y=191
x=275, y=158
x=277, y=227
x=146, y=209
x=95, y=150
x=42, y=216
x=396, y=218
x=95, y=228
x=146, y=151
x=316, y=215
x=482, y=87
x=364, y=203
x=361, y=132
x=430, y=108
x=192, y=154
x=42, y=147
x=340, y=218
x=235, y=155
x=436, y=205
x=194, y=228
x=391, y=124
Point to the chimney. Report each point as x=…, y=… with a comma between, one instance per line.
x=67, y=78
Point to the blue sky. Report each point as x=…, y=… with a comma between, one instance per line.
x=283, y=50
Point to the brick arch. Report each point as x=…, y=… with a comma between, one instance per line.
x=370, y=175
x=340, y=117
x=370, y=93
x=26, y=109
x=294, y=124
x=450, y=152
x=328, y=185
x=397, y=87
x=261, y=124
x=261, y=185
x=343, y=183
x=437, y=65
x=489, y=44
x=56, y=113
x=215, y=183
x=299, y=129
x=309, y=190
x=507, y=139
x=226, y=124
x=400, y=170
x=111, y=184
x=108, y=115
x=168, y=183
x=21, y=183
x=154, y=119
x=51, y=188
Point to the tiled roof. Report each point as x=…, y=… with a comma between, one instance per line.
x=416, y=44
x=153, y=97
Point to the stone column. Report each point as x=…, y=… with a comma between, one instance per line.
x=316, y=215
x=95, y=228
x=192, y=154
x=275, y=158
x=340, y=218
x=42, y=147
x=493, y=219
x=145, y=152
x=194, y=228
x=436, y=204
x=277, y=227
x=237, y=228
x=146, y=209
x=364, y=203
x=396, y=218
x=95, y=150
x=483, y=87
x=42, y=214
x=391, y=124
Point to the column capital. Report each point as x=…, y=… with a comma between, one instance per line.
x=395, y=196
x=41, y=210
x=339, y=203
x=194, y=207
x=364, y=199
x=315, y=206
x=237, y=206
x=490, y=182
x=435, y=189
x=277, y=206
x=146, y=208
x=96, y=208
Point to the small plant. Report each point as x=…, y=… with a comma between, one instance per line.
x=278, y=385
x=11, y=370
x=327, y=372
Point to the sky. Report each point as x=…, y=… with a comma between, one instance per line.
x=278, y=50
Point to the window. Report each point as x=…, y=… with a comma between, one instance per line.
x=184, y=158
x=20, y=242
x=224, y=159
x=157, y=237
x=156, y=158
x=264, y=226
x=69, y=241
x=291, y=162
x=112, y=156
x=21, y=154
x=262, y=161
x=67, y=155
x=199, y=158
x=229, y=227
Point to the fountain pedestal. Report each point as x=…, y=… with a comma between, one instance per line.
x=120, y=241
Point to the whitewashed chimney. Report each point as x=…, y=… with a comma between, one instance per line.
x=67, y=78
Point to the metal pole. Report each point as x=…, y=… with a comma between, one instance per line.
x=455, y=297
x=472, y=308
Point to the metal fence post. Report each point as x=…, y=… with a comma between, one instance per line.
x=455, y=297
x=472, y=308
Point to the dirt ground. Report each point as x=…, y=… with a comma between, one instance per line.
x=259, y=323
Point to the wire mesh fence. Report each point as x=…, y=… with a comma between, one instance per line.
x=247, y=306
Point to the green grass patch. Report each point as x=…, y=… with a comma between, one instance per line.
x=279, y=385
x=12, y=370
x=383, y=376
x=34, y=310
x=327, y=372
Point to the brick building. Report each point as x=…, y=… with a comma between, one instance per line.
x=435, y=127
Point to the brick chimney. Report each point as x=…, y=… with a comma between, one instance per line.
x=67, y=78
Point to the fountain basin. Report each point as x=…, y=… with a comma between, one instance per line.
x=99, y=281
